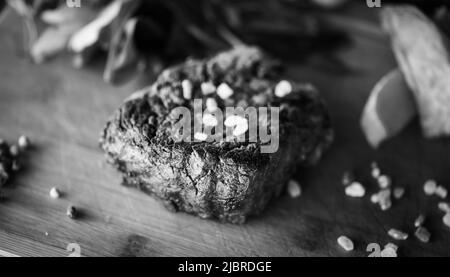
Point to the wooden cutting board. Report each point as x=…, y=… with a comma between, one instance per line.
x=63, y=111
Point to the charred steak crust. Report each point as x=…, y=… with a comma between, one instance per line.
x=6, y=162
x=224, y=180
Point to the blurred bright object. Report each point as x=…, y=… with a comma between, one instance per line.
x=389, y=109
x=329, y=3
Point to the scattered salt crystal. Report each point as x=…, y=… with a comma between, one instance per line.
x=384, y=181
x=397, y=234
x=441, y=192
x=294, y=189
x=384, y=197
x=233, y=120
x=388, y=252
x=210, y=120
x=444, y=206
x=54, y=193
x=14, y=150
x=419, y=220
x=376, y=172
x=399, y=192
x=211, y=105
x=446, y=219
x=374, y=198
x=224, y=91
x=391, y=245
x=283, y=88
x=187, y=89
x=345, y=243
x=240, y=122
x=23, y=142
x=386, y=205
x=200, y=136
x=430, y=187
x=72, y=212
x=347, y=178
x=423, y=234
x=355, y=189
x=241, y=128
x=208, y=88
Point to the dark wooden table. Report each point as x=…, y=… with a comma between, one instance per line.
x=63, y=111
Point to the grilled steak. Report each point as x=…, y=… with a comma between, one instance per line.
x=222, y=177
x=6, y=162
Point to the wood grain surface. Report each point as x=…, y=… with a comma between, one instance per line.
x=63, y=111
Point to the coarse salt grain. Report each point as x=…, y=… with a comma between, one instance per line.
x=240, y=129
x=446, y=219
x=72, y=212
x=283, y=88
x=384, y=197
x=240, y=124
x=397, y=234
x=441, y=192
x=384, y=181
x=14, y=150
x=419, y=220
x=444, y=206
x=210, y=120
x=347, y=178
x=391, y=245
x=187, y=89
x=355, y=189
x=54, y=193
x=224, y=91
x=423, y=234
x=294, y=189
x=386, y=205
x=430, y=187
x=200, y=136
x=207, y=88
x=374, y=198
x=234, y=120
x=345, y=243
x=211, y=105
x=259, y=99
x=376, y=172
x=398, y=192
x=388, y=252
x=23, y=142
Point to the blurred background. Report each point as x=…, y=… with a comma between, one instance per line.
x=131, y=37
